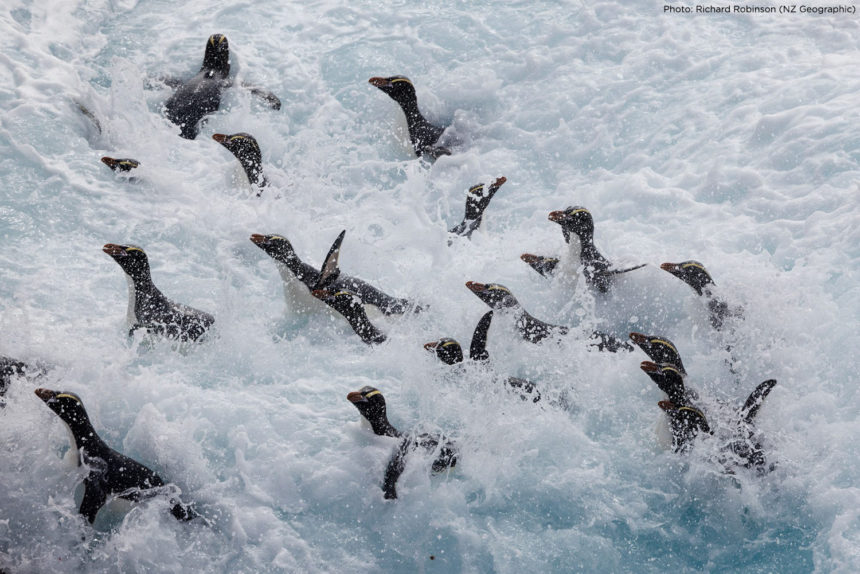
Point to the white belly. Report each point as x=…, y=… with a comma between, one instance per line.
x=298, y=296
x=132, y=297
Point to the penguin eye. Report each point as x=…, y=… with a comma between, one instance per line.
x=476, y=189
x=572, y=211
x=499, y=288
x=449, y=343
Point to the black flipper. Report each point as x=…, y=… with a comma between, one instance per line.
x=395, y=469
x=329, y=271
x=754, y=401
x=619, y=271
x=94, y=499
x=478, y=348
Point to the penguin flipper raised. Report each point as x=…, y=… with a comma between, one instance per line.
x=266, y=96
x=478, y=348
x=330, y=271
x=755, y=400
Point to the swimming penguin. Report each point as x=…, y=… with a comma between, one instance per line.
x=422, y=133
x=120, y=165
x=371, y=404
x=449, y=352
x=577, y=226
x=350, y=306
x=534, y=330
x=477, y=201
x=696, y=276
x=685, y=419
x=201, y=95
x=660, y=350
x=148, y=308
x=110, y=473
x=291, y=267
x=500, y=298
x=246, y=149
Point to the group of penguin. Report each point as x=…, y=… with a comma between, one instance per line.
x=149, y=310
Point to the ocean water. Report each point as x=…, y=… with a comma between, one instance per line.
x=729, y=139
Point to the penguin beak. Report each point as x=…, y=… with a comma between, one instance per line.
x=649, y=367
x=356, y=397
x=431, y=346
x=114, y=250
x=110, y=162
x=220, y=138
x=45, y=394
x=556, y=216
x=670, y=267
x=476, y=287
x=638, y=338
x=529, y=258
x=380, y=83
x=258, y=239
x=320, y=293
x=667, y=406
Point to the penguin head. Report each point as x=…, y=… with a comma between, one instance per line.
x=371, y=404
x=243, y=146
x=399, y=88
x=660, y=350
x=668, y=378
x=686, y=422
x=131, y=258
x=217, y=55
x=68, y=406
x=495, y=295
x=126, y=164
x=277, y=246
x=447, y=350
x=692, y=273
x=576, y=220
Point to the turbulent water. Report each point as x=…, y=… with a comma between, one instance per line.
x=729, y=139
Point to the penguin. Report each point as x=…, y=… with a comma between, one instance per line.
x=534, y=330
x=476, y=202
x=696, y=276
x=500, y=298
x=246, y=149
x=422, y=133
x=292, y=268
x=577, y=227
x=120, y=165
x=371, y=404
x=148, y=308
x=350, y=306
x=109, y=472
x=449, y=352
x=660, y=350
x=201, y=95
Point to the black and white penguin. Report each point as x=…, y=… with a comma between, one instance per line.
x=449, y=352
x=201, y=95
x=246, y=149
x=577, y=227
x=477, y=201
x=300, y=278
x=148, y=308
x=351, y=307
x=110, y=473
x=696, y=276
x=371, y=404
x=533, y=330
x=422, y=133
x=500, y=298
x=687, y=420
x=120, y=165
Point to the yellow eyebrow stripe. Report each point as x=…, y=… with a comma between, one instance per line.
x=401, y=80
x=500, y=288
x=662, y=342
x=449, y=343
x=370, y=394
x=696, y=265
x=476, y=188
x=673, y=369
x=68, y=396
x=135, y=249
x=691, y=409
x=578, y=211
